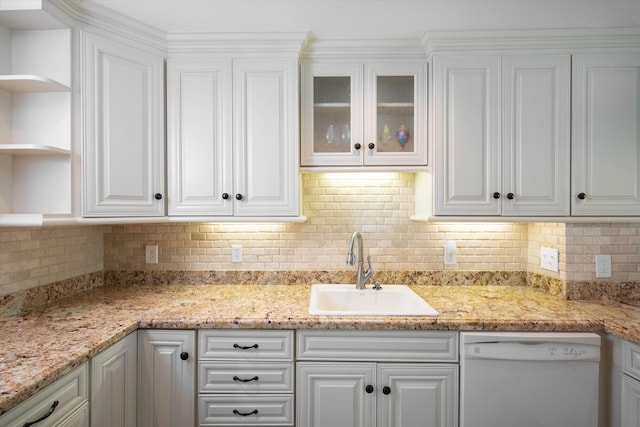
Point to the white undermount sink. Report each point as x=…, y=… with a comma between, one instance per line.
x=346, y=300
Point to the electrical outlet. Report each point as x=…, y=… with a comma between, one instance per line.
x=450, y=253
x=549, y=259
x=236, y=253
x=603, y=266
x=152, y=254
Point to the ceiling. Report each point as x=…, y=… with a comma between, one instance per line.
x=372, y=19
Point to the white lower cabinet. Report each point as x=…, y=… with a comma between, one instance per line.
x=377, y=378
x=63, y=403
x=166, y=378
x=630, y=402
x=114, y=384
x=245, y=378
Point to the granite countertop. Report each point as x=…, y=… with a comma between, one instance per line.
x=42, y=346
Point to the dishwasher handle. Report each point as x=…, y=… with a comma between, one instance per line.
x=531, y=350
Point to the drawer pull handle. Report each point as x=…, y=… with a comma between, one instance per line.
x=235, y=378
x=45, y=416
x=245, y=414
x=245, y=347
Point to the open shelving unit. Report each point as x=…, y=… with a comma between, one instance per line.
x=36, y=151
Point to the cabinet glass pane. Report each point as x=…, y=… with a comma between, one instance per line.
x=394, y=112
x=332, y=114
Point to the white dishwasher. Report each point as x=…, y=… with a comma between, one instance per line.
x=529, y=379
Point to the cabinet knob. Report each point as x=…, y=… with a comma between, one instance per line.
x=369, y=389
x=184, y=355
x=357, y=146
x=496, y=195
x=238, y=196
x=510, y=196
x=582, y=196
x=158, y=196
x=225, y=196
x=386, y=390
x=371, y=146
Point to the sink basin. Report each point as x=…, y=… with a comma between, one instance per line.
x=346, y=300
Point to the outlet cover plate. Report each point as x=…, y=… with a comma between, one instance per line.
x=236, y=253
x=603, y=266
x=151, y=255
x=549, y=259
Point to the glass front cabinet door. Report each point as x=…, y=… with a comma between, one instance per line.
x=363, y=114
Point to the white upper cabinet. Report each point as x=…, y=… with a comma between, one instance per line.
x=606, y=134
x=467, y=145
x=36, y=146
x=370, y=113
x=199, y=148
x=123, y=134
x=233, y=133
x=265, y=137
x=502, y=135
x=535, y=135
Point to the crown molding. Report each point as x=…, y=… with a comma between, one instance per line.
x=572, y=40
x=363, y=48
x=237, y=44
x=94, y=18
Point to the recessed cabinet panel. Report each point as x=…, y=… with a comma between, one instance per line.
x=467, y=135
x=606, y=136
x=199, y=131
x=124, y=132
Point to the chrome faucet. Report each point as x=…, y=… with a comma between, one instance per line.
x=362, y=276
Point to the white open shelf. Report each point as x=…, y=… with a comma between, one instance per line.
x=32, y=150
x=30, y=83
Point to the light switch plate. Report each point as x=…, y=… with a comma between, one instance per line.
x=549, y=259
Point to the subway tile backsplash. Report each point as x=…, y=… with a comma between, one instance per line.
x=377, y=204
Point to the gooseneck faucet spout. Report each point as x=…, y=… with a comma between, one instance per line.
x=362, y=276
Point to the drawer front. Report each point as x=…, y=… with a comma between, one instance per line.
x=263, y=410
x=400, y=346
x=245, y=377
x=245, y=344
x=69, y=391
x=631, y=359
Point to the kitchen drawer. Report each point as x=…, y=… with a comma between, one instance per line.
x=245, y=377
x=399, y=346
x=69, y=391
x=263, y=410
x=631, y=359
x=245, y=344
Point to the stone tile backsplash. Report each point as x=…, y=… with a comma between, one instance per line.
x=377, y=204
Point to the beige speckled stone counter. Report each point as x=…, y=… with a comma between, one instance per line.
x=40, y=347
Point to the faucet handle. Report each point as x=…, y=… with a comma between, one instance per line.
x=370, y=271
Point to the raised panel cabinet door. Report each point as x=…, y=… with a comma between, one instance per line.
x=335, y=394
x=536, y=134
x=266, y=137
x=199, y=137
x=467, y=135
x=606, y=134
x=166, y=378
x=630, y=416
x=123, y=129
x=417, y=395
x=114, y=384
